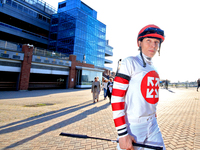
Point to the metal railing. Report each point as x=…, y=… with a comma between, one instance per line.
x=180, y=85
x=30, y=11
x=48, y=53
x=42, y=5
x=36, y=51
x=10, y=46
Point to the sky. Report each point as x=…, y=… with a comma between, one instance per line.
x=180, y=54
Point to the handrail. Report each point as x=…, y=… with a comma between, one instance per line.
x=45, y=82
x=6, y=82
x=10, y=45
x=44, y=52
x=38, y=3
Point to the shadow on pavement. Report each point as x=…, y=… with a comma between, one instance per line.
x=167, y=90
x=45, y=117
x=56, y=126
x=41, y=118
x=171, y=91
x=34, y=93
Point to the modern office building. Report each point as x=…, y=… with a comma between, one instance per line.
x=69, y=44
x=76, y=30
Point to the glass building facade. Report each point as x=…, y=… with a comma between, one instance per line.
x=76, y=30
x=85, y=76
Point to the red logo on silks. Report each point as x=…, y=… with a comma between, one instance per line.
x=150, y=87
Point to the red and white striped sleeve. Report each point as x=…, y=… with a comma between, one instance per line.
x=120, y=86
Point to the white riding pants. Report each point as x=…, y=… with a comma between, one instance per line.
x=146, y=131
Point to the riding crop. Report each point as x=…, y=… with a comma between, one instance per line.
x=114, y=141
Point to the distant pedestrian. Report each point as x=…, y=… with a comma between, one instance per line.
x=96, y=87
x=99, y=82
x=109, y=89
x=98, y=79
x=198, y=84
x=166, y=84
x=104, y=87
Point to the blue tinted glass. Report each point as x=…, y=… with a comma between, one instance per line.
x=87, y=9
x=79, y=33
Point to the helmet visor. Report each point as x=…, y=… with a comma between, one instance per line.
x=152, y=30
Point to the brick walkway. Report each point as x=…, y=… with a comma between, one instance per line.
x=72, y=111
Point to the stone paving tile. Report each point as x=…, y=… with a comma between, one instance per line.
x=38, y=128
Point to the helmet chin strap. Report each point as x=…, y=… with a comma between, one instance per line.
x=144, y=63
x=159, y=49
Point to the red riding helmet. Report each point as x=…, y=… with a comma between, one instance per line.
x=151, y=31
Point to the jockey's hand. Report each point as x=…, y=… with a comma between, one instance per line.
x=126, y=142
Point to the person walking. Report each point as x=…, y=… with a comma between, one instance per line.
x=198, y=84
x=135, y=93
x=96, y=87
x=109, y=89
x=166, y=84
x=104, y=86
x=99, y=83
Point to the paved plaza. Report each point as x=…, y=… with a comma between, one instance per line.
x=33, y=120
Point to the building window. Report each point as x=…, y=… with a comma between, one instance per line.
x=86, y=77
x=14, y=4
x=40, y=16
x=8, y=2
x=20, y=7
x=26, y=10
x=44, y=18
x=48, y=20
x=62, y=5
